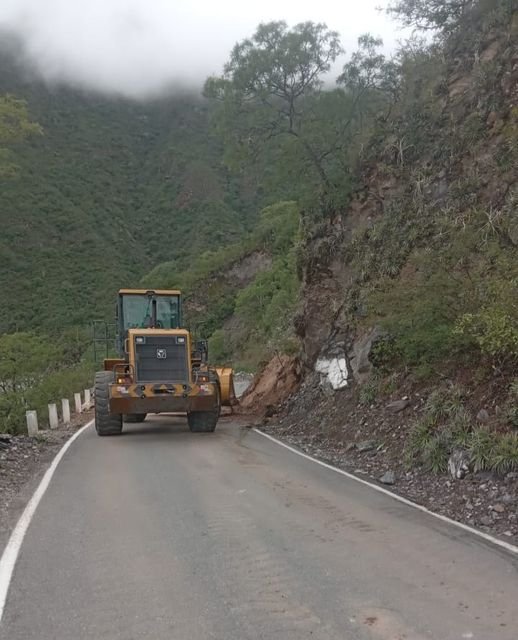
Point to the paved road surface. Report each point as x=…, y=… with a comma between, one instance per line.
x=166, y=535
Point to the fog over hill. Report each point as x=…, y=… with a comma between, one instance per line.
x=137, y=48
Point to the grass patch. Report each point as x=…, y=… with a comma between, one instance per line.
x=446, y=426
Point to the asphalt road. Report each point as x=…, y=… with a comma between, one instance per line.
x=167, y=535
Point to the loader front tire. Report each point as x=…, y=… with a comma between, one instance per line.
x=202, y=421
x=106, y=423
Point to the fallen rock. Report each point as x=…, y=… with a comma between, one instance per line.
x=359, y=356
x=483, y=416
x=486, y=521
x=270, y=411
x=366, y=445
x=398, y=405
x=458, y=464
x=499, y=508
x=389, y=477
x=5, y=440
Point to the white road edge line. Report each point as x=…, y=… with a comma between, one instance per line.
x=489, y=538
x=11, y=551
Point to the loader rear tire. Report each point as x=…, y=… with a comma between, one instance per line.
x=202, y=421
x=135, y=417
x=106, y=423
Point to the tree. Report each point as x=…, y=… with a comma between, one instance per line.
x=432, y=14
x=24, y=359
x=15, y=126
x=369, y=71
x=270, y=84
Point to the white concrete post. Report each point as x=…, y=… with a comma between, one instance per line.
x=77, y=402
x=88, y=399
x=32, y=422
x=53, y=416
x=65, y=410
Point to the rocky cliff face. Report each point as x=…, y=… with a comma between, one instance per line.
x=442, y=167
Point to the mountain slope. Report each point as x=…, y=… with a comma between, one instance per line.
x=110, y=190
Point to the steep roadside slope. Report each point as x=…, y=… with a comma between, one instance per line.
x=408, y=324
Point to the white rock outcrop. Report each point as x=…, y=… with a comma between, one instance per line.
x=334, y=371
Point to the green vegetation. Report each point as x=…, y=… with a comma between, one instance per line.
x=447, y=426
x=245, y=309
x=15, y=126
x=448, y=17
x=458, y=298
x=433, y=261
x=369, y=392
x=35, y=372
x=274, y=115
x=110, y=190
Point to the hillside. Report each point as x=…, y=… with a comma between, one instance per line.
x=110, y=189
x=408, y=318
x=243, y=296
x=424, y=258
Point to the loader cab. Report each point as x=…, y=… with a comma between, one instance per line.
x=147, y=309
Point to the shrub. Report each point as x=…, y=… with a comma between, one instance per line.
x=384, y=353
x=368, y=392
x=504, y=456
x=447, y=425
x=12, y=412
x=436, y=453
x=419, y=439
x=443, y=404
x=512, y=416
x=219, y=349
x=481, y=449
x=494, y=330
x=34, y=371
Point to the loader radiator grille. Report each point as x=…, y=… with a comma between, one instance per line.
x=161, y=359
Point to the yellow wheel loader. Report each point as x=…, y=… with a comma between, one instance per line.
x=160, y=369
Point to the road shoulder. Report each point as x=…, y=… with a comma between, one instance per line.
x=23, y=461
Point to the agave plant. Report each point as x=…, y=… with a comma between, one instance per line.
x=505, y=454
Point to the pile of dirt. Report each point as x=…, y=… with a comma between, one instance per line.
x=276, y=382
x=369, y=439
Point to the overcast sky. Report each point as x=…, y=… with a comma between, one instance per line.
x=138, y=47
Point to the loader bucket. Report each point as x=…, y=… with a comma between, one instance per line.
x=226, y=381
